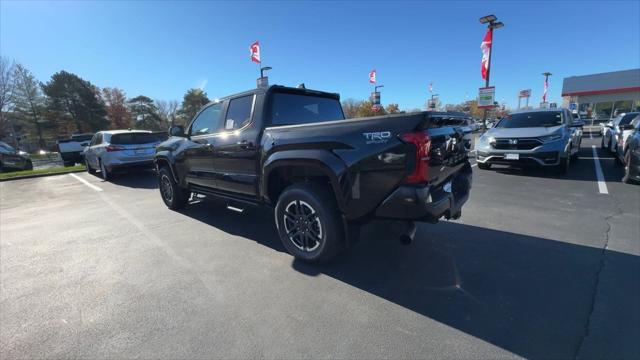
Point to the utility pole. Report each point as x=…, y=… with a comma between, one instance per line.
x=493, y=24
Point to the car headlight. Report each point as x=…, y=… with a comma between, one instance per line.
x=552, y=137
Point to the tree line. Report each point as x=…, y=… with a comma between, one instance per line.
x=67, y=104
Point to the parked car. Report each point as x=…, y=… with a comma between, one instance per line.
x=120, y=149
x=614, y=128
x=292, y=148
x=12, y=158
x=542, y=137
x=628, y=151
x=71, y=150
x=455, y=119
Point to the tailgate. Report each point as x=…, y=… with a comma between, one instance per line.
x=447, y=153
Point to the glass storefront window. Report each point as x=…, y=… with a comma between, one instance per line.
x=620, y=107
x=584, y=109
x=636, y=105
x=603, y=110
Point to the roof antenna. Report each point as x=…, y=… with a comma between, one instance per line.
x=301, y=86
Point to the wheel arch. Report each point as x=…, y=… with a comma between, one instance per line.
x=287, y=167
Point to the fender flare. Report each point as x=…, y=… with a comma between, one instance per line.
x=165, y=156
x=325, y=161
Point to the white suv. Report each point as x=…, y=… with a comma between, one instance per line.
x=114, y=149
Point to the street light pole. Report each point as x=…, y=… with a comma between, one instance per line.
x=493, y=24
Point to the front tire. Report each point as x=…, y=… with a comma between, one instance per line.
x=563, y=167
x=172, y=194
x=309, y=223
x=627, y=168
x=90, y=170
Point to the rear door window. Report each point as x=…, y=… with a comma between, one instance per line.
x=239, y=113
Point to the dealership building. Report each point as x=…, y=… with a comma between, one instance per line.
x=603, y=96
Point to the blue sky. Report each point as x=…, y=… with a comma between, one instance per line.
x=161, y=49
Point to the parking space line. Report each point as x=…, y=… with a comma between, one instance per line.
x=602, y=185
x=86, y=182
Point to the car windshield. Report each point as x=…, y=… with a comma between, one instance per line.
x=626, y=119
x=7, y=147
x=294, y=109
x=531, y=119
x=133, y=138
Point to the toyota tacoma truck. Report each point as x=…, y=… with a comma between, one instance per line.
x=293, y=149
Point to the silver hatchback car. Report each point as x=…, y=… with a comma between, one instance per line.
x=116, y=149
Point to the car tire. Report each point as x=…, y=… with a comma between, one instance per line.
x=28, y=165
x=563, y=167
x=90, y=170
x=104, y=172
x=172, y=194
x=309, y=222
x=484, y=166
x=627, y=168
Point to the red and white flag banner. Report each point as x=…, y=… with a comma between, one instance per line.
x=486, y=51
x=372, y=76
x=254, y=49
x=546, y=86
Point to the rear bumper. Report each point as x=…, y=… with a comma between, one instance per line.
x=131, y=165
x=77, y=156
x=428, y=203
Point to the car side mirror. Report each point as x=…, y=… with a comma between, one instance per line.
x=177, y=130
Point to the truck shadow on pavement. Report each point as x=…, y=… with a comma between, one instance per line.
x=135, y=178
x=529, y=295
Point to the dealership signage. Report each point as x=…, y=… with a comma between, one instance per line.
x=524, y=93
x=486, y=97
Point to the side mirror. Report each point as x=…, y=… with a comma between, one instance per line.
x=177, y=130
x=577, y=123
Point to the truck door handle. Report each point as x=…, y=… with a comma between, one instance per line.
x=244, y=144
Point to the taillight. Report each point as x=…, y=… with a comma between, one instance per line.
x=112, y=148
x=422, y=143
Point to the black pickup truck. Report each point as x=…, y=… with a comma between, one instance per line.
x=326, y=175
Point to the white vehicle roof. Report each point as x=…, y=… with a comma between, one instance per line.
x=113, y=132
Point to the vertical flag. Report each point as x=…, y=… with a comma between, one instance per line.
x=372, y=76
x=254, y=49
x=431, y=87
x=546, y=86
x=486, y=50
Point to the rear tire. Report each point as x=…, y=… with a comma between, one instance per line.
x=309, y=222
x=172, y=194
x=484, y=166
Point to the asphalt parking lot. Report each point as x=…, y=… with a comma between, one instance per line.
x=539, y=266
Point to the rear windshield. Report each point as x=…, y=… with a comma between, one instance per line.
x=133, y=138
x=531, y=119
x=81, y=137
x=294, y=109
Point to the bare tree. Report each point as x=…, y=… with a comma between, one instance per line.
x=167, y=111
x=7, y=85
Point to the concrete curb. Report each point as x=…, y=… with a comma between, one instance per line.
x=40, y=175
